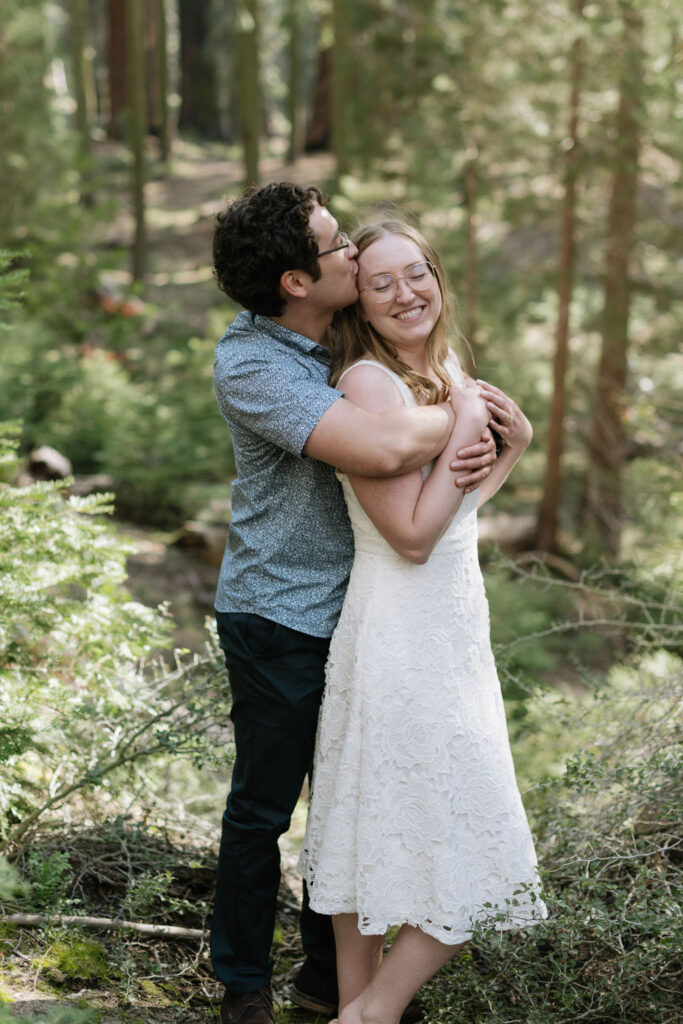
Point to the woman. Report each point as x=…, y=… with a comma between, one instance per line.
x=415, y=815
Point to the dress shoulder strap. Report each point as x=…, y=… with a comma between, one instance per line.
x=454, y=368
x=406, y=393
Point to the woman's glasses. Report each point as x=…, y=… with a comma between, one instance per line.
x=383, y=287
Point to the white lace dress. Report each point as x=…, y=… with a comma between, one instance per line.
x=415, y=814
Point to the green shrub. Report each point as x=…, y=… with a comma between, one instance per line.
x=609, y=846
x=50, y=878
x=171, y=436
x=82, y=698
x=152, y=424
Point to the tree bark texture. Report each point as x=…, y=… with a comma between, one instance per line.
x=77, y=39
x=77, y=27
x=471, y=252
x=548, y=514
x=136, y=116
x=294, y=57
x=248, y=84
x=116, y=64
x=319, y=129
x=607, y=443
x=162, y=78
x=341, y=89
x=106, y=924
x=198, y=110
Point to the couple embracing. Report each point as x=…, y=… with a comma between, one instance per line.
x=350, y=605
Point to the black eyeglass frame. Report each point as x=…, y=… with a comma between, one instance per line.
x=337, y=248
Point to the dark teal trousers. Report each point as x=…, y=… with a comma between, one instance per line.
x=276, y=677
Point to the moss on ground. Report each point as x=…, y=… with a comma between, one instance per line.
x=79, y=961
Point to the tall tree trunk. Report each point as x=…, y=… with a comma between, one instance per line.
x=340, y=88
x=77, y=39
x=319, y=129
x=603, y=502
x=151, y=66
x=471, y=182
x=116, y=65
x=162, y=56
x=248, y=78
x=294, y=55
x=137, y=120
x=548, y=513
x=199, y=110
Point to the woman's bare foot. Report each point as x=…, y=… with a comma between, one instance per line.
x=359, y=1012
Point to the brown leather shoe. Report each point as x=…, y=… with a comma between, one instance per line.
x=250, y=1008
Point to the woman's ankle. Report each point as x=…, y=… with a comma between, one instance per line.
x=364, y=1011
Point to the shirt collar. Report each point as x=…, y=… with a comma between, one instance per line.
x=297, y=341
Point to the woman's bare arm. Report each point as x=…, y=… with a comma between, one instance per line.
x=412, y=515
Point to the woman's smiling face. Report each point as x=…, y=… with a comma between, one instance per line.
x=408, y=317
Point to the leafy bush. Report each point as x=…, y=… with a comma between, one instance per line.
x=152, y=425
x=609, y=846
x=82, y=699
x=49, y=877
x=170, y=436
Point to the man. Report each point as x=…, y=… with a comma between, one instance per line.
x=279, y=252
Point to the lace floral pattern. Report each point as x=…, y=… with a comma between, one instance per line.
x=415, y=813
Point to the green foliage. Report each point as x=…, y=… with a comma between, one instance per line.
x=163, y=439
x=50, y=878
x=31, y=158
x=146, y=890
x=76, y=961
x=525, y=663
x=12, y=280
x=58, y=1015
x=9, y=879
x=79, y=688
x=101, y=411
x=609, y=844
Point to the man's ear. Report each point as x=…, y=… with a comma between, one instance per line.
x=294, y=284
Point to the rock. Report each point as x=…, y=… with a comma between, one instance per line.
x=95, y=483
x=46, y=463
x=210, y=539
x=509, y=532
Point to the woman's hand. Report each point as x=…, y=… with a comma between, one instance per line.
x=468, y=403
x=506, y=417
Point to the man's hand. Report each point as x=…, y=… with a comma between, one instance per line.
x=475, y=462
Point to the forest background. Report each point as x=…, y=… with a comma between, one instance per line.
x=536, y=144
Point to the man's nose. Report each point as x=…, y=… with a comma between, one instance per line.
x=352, y=251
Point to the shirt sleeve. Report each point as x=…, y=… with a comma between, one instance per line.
x=282, y=406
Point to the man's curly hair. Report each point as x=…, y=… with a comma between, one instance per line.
x=259, y=236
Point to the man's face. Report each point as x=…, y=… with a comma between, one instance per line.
x=336, y=287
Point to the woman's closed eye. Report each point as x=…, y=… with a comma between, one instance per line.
x=381, y=284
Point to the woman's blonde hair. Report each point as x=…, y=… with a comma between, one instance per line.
x=354, y=338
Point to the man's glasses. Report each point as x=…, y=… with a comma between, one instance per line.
x=383, y=287
x=345, y=243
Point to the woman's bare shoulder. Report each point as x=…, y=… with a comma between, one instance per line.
x=371, y=386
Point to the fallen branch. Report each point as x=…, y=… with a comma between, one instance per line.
x=107, y=924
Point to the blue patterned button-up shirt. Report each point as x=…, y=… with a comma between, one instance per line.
x=290, y=544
